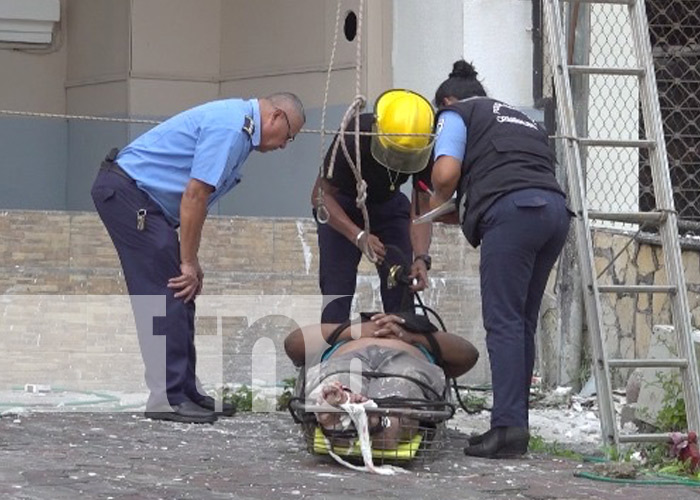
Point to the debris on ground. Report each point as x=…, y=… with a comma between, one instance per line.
x=616, y=470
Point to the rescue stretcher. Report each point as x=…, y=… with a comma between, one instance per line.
x=424, y=419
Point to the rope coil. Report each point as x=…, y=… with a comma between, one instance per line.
x=358, y=103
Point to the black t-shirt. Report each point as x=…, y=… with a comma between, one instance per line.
x=379, y=179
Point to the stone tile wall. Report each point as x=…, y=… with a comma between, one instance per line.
x=66, y=319
x=629, y=319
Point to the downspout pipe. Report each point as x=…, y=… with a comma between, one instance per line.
x=537, y=53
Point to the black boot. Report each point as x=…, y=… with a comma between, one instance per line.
x=477, y=438
x=499, y=442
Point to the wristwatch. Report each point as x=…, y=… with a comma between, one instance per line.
x=425, y=258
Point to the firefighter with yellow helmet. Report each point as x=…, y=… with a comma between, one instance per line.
x=388, y=160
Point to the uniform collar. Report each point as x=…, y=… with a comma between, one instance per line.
x=255, y=139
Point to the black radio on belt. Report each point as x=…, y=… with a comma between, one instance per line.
x=111, y=165
x=112, y=155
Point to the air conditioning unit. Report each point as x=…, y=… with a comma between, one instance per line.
x=28, y=21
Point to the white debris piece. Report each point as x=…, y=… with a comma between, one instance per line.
x=36, y=388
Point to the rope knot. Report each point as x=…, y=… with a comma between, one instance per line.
x=359, y=102
x=361, y=193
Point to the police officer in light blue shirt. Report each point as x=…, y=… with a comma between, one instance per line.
x=168, y=178
x=501, y=166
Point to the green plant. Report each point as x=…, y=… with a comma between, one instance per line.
x=241, y=397
x=538, y=444
x=288, y=385
x=678, y=468
x=620, y=453
x=473, y=404
x=671, y=417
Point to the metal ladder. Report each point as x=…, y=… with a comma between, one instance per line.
x=664, y=217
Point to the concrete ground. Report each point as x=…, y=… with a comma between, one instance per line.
x=256, y=456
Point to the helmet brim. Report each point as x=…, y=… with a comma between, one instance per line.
x=397, y=157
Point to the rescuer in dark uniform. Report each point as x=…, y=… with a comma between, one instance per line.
x=387, y=162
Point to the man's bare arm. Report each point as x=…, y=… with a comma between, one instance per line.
x=458, y=354
x=193, y=212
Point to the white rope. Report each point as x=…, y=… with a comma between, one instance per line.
x=62, y=116
x=322, y=214
x=358, y=415
x=76, y=117
x=358, y=51
x=328, y=84
x=359, y=103
x=355, y=164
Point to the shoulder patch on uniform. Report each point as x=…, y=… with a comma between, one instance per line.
x=248, y=126
x=438, y=127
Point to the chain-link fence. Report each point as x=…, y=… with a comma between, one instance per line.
x=674, y=27
x=607, y=106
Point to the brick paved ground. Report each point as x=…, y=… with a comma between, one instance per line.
x=255, y=456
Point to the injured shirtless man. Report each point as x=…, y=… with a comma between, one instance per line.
x=409, y=355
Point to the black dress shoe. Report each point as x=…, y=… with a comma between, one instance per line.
x=209, y=403
x=478, y=438
x=500, y=442
x=186, y=412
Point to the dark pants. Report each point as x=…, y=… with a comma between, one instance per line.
x=149, y=259
x=339, y=257
x=522, y=235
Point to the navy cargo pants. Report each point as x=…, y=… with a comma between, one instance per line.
x=149, y=258
x=522, y=235
x=339, y=257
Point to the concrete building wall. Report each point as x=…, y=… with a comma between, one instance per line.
x=498, y=40
x=33, y=159
x=98, y=42
x=494, y=35
x=97, y=84
x=428, y=38
x=154, y=58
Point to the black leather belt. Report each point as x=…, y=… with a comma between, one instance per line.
x=110, y=165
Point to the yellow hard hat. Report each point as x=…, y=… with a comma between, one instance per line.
x=401, y=111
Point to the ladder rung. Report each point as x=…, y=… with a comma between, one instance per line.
x=632, y=217
x=614, y=143
x=648, y=363
x=644, y=438
x=556, y=26
x=637, y=289
x=595, y=70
